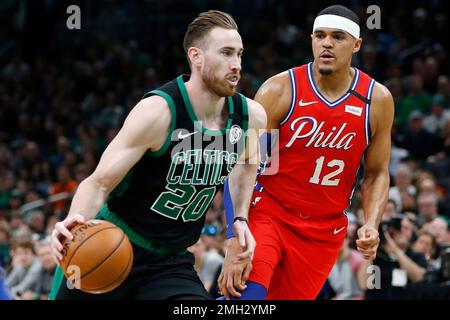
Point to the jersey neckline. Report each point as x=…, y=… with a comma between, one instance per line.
x=192, y=115
x=321, y=97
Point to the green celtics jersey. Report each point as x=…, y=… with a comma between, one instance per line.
x=164, y=197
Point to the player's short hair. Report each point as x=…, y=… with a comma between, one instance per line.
x=204, y=23
x=341, y=11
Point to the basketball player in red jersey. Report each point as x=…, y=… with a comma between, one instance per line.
x=330, y=115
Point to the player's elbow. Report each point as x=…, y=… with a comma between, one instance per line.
x=378, y=174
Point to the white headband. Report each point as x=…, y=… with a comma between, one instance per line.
x=336, y=22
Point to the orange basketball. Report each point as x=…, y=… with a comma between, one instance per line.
x=99, y=257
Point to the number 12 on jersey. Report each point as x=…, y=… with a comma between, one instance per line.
x=327, y=179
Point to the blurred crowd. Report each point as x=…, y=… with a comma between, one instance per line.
x=64, y=94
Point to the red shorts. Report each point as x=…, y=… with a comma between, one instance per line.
x=294, y=252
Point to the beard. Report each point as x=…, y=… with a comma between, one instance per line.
x=217, y=85
x=325, y=71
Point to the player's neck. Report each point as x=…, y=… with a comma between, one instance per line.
x=206, y=104
x=334, y=85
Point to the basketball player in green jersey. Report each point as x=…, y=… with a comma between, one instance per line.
x=158, y=176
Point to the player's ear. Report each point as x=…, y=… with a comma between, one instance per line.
x=357, y=45
x=195, y=55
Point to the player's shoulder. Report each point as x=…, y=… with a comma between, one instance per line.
x=153, y=104
x=382, y=107
x=276, y=85
x=152, y=111
x=275, y=95
x=257, y=114
x=381, y=92
x=382, y=100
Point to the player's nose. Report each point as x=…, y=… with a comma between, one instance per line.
x=235, y=64
x=327, y=43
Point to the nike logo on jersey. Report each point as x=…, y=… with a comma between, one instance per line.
x=357, y=111
x=304, y=104
x=336, y=231
x=254, y=202
x=182, y=136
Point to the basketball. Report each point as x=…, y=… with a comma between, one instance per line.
x=99, y=257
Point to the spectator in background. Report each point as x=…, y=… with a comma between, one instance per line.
x=390, y=210
x=446, y=139
x=207, y=262
x=397, y=155
x=427, y=207
x=343, y=277
x=419, y=142
x=15, y=200
x=81, y=173
x=17, y=222
x=427, y=185
x=435, y=122
x=25, y=270
x=36, y=223
x=438, y=227
x=62, y=147
x=43, y=285
x=407, y=229
x=400, y=266
x=431, y=287
x=111, y=114
x=66, y=184
x=403, y=191
x=417, y=101
x=443, y=88
x=7, y=182
x=425, y=244
x=30, y=164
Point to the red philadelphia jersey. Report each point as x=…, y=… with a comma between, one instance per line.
x=321, y=144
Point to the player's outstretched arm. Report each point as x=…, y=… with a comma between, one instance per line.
x=240, y=249
x=375, y=186
x=146, y=127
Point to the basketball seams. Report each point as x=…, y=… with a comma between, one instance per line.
x=125, y=271
x=106, y=258
x=84, y=241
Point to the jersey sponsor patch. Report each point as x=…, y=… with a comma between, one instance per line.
x=357, y=111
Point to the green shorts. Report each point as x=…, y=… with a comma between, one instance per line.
x=153, y=276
